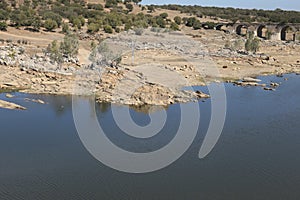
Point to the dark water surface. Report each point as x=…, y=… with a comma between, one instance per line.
x=256, y=157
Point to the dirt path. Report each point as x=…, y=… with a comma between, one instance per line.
x=84, y=53
x=24, y=37
x=158, y=74
x=36, y=39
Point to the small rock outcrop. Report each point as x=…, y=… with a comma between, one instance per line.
x=11, y=106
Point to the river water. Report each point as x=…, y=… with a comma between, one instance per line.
x=256, y=157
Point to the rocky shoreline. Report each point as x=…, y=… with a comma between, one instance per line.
x=104, y=89
x=161, y=67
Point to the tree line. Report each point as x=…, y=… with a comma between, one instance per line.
x=72, y=15
x=237, y=14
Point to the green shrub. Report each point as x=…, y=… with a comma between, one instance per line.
x=127, y=26
x=129, y=7
x=197, y=25
x=95, y=6
x=164, y=15
x=108, y=29
x=77, y=23
x=3, y=26
x=252, y=43
x=209, y=25
x=139, y=31
x=111, y=3
x=161, y=22
x=54, y=16
x=53, y=50
x=190, y=21
x=93, y=28
x=69, y=46
x=36, y=23
x=50, y=25
x=65, y=28
x=177, y=20
x=174, y=26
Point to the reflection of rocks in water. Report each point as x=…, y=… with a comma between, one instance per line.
x=60, y=104
x=103, y=107
x=148, y=108
x=10, y=105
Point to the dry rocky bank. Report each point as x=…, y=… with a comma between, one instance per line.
x=162, y=66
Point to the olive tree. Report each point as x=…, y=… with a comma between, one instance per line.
x=69, y=46
x=50, y=25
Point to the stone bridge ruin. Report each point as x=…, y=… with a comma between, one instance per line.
x=284, y=32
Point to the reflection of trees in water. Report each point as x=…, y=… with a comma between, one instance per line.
x=103, y=107
x=60, y=104
x=148, y=108
x=63, y=104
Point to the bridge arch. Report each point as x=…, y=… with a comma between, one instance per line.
x=241, y=29
x=220, y=27
x=262, y=31
x=287, y=33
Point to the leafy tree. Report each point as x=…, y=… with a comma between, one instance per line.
x=17, y=18
x=77, y=23
x=65, y=28
x=209, y=25
x=190, y=21
x=197, y=25
x=177, y=20
x=110, y=3
x=108, y=29
x=136, y=1
x=93, y=28
x=151, y=8
x=184, y=20
x=82, y=20
x=95, y=6
x=113, y=19
x=129, y=7
x=164, y=15
x=3, y=26
x=161, y=22
x=54, y=16
x=50, y=25
x=233, y=14
x=174, y=26
x=141, y=23
x=36, y=23
x=127, y=26
x=69, y=46
x=103, y=56
x=53, y=50
x=252, y=43
x=4, y=15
